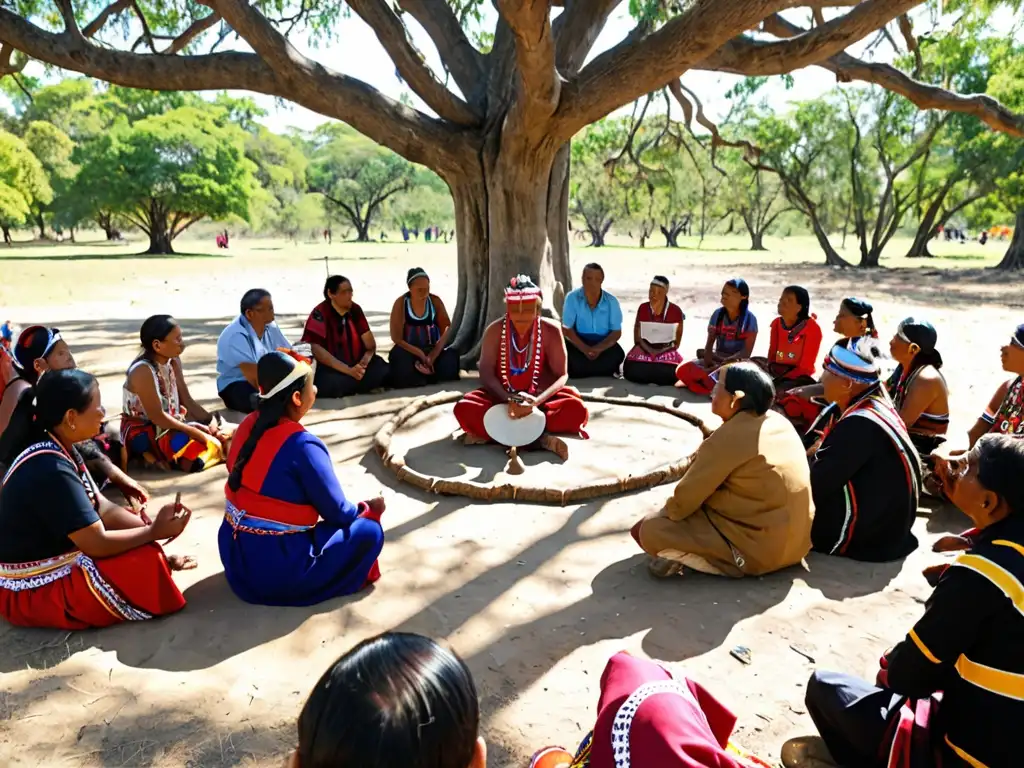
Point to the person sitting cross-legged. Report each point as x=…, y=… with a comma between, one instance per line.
x=247, y=338
x=966, y=646
x=343, y=344
x=592, y=324
x=419, y=330
x=656, y=335
x=523, y=365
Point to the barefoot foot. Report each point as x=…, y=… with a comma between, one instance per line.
x=662, y=568
x=468, y=439
x=181, y=562
x=556, y=445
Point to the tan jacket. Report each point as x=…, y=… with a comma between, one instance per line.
x=749, y=485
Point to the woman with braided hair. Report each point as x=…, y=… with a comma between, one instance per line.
x=290, y=536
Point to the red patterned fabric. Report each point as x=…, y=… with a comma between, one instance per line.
x=565, y=411
x=695, y=377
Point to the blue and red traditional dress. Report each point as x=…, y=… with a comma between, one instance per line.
x=730, y=337
x=46, y=495
x=289, y=536
x=1005, y=413
x=521, y=368
x=866, y=482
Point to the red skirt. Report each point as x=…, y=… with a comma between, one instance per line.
x=73, y=591
x=695, y=377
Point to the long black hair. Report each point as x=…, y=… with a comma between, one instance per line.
x=41, y=409
x=332, y=284
x=397, y=700
x=863, y=310
x=271, y=369
x=155, y=328
x=756, y=386
x=741, y=319
x=803, y=298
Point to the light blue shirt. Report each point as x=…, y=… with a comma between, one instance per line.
x=591, y=324
x=238, y=343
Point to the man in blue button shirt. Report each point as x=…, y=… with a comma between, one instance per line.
x=241, y=345
x=592, y=322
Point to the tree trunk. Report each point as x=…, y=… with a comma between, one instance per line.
x=159, y=231
x=1014, y=258
x=511, y=212
x=41, y=223
x=757, y=241
x=870, y=257
x=596, y=238
x=671, y=234
x=919, y=248
x=7, y=235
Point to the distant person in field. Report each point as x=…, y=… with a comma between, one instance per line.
x=795, y=341
x=592, y=324
x=69, y=557
x=523, y=367
x=803, y=404
x=917, y=386
x=732, y=332
x=290, y=536
x=657, y=333
x=744, y=506
x=419, y=331
x=161, y=423
x=240, y=346
x=343, y=344
x=865, y=475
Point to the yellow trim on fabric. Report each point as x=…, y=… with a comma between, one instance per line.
x=923, y=648
x=7, y=572
x=99, y=597
x=1009, y=684
x=1011, y=544
x=973, y=762
x=1002, y=578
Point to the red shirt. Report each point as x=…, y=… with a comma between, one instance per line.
x=341, y=335
x=796, y=347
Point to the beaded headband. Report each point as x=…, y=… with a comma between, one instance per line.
x=848, y=364
x=52, y=337
x=299, y=371
x=415, y=275
x=520, y=289
x=1018, y=337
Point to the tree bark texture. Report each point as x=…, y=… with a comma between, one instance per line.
x=1014, y=258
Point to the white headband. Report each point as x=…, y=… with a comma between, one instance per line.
x=300, y=370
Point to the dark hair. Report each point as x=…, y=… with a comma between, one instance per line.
x=863, y=310
x=922, y=333
x=594, y=265
x=1000, y=467
x=155, y=328
x=756, y=385
x=414, y=274
x=252, y=299
x=30, y=347
x=741, y=319
x=56, y=393
x=397, y=700
x=270, y=371
x=332, y=284
x=803, y=298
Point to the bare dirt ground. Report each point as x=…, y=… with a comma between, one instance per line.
x=534, y=598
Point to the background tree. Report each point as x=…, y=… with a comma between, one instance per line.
x=755, y=195
x=499, y=135
x=53, y=148
x=426, y=203
x=166, y=172
x=23, y=183
x=355, y=175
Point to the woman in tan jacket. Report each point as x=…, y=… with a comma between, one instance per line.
x=744, y=507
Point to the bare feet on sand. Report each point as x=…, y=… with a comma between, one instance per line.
x=181, y=562
x=661, y=568
x=556, y=445
x=468, y=439
x=806, y=752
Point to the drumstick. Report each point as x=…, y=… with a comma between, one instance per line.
x=178, y=510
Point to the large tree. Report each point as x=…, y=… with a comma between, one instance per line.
x=498, y=136
x=23, y=183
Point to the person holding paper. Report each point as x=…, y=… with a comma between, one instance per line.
x=656, y=335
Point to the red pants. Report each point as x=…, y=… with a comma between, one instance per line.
x=565, y=411
x=695, y=377
x=134, y=585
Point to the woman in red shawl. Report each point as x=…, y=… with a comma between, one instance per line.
x=648, y=719
x=795, y=341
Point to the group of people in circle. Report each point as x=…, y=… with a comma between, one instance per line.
x=836, y=464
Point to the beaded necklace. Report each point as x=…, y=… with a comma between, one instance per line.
x=527, y=356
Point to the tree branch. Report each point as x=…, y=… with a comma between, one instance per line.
x=96, y=24
x=746, y=56
x=576, y=30
x=539, y=84
x=925, y=96
x=907, y=30
x=410, y=64
x=465, y=62
x=195, y=29
x=641, y=64
x=8, y=66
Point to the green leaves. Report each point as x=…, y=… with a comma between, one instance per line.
x=23, y=181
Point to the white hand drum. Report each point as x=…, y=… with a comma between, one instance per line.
x=513, y=432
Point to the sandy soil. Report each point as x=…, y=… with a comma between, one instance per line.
x=535, y=598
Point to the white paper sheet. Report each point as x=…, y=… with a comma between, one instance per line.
x=658, y=333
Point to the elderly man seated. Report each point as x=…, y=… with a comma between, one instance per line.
x=592, y=324
x=241, y=345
